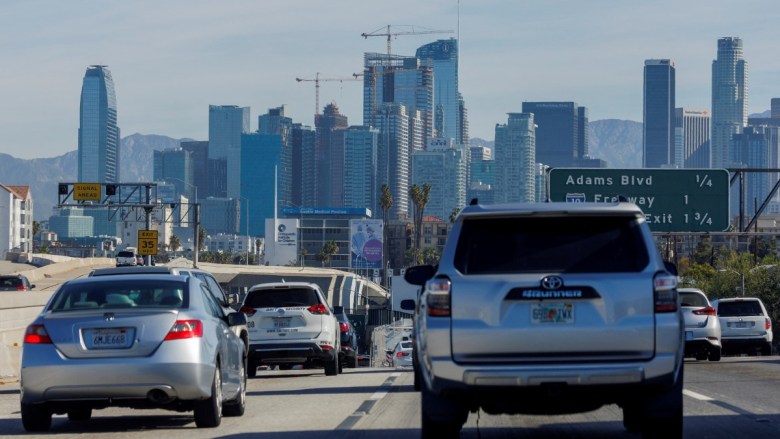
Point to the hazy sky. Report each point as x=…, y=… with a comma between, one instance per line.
x=170, y=59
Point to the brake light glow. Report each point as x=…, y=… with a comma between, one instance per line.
x=665, y=292
x=185, y=329
x=706, y=311
x=402, y=354
x=248, y=310
x=318, y=309
x=21, y=288
x=768, y=324
x=344, y=326
x=438, y=297
x=36, y=334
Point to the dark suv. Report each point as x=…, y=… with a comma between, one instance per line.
x=549, y=308
x=348, y=355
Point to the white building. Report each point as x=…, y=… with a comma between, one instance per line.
x=16, y=219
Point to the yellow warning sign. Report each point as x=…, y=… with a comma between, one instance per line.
x=147, y=242
x=86, y=191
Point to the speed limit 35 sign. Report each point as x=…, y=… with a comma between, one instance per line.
x=147, y=242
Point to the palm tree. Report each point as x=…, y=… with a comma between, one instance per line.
x=420, y=197
x=174, y=243
x=454, y=214
x=385, y=203
x=201, y=244
x=329, y=249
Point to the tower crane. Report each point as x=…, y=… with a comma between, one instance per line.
x=384, y=31
x=317, y=81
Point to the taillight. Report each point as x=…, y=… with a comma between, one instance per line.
x=402, y=354
x=21, y=288
x=36, y=334
x=248, y=310
x=706, y=311
x=665, y=292
x=438, y=297
x=344, y=326
x=185, y=329
x=318, y=309
x=768, y=323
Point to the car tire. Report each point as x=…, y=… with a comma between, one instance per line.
x=332, y=366
x=251, y=369
x=663, y=413
x=417, y=378
x=208, y=412
x=441, y=417
x=36, y=417
x=80, y=414
x=701, y=355
x=352, y=362
x=632, y=417
x=236, y=407
x=714, y=355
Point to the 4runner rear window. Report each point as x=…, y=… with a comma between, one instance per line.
x=740, y=309
x=571, y=244
x=281, y=298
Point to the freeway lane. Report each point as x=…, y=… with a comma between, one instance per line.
x=732, y=398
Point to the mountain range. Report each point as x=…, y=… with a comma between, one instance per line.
x=618, y=142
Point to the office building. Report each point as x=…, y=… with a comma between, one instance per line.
x=226, y=125
x=394, y=161
x=443, y=165
x=515, y=152
x=729, y=98
x=303, y=187
x=220, y=215
x=330, y=127
x=757, y=147
x=361, y=152
x=175, y=166
x=16, y=219
x=442, y=55
x=692, y=138
x=98, y=152
x=558, y=133
x=275, y=122
x=658, y=127
x=199, y=157
x=261, y=161
x=71, y=223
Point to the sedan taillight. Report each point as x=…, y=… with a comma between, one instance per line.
x=21, y=288
x=768, y=323
x=36, y=334
x=402, y=354
x=706, y=311
x=185, y=329
x=344, y=326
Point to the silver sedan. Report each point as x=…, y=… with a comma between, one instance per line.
x=157, y=341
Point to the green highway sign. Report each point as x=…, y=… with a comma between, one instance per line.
x=673, y=200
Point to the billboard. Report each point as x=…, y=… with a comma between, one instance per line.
x=365, y=236
x=281, y=244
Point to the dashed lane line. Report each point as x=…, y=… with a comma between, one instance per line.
x=367, y=405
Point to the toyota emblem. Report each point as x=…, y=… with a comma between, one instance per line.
x=552, y=282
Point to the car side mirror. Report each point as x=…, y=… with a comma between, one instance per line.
x=670, y=267
x=408, y=305
x=236, y=319
x=419, y=274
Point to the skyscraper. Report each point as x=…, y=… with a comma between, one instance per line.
x=558, y=133
x=330, y=156
x=361, y=145
x=277, y=123
x=692, y=137
x=199, y=153
x=98, y=154
x=304, y=161
x=658, y=128
x=261, y=158
x=175, y=167
x=443, y=165
x=442, y=55
x=393, y=160
x=226, y=125
x=515, y=152
x=729, y=98
x=757, y=147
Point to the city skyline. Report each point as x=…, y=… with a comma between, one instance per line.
x=171, y=61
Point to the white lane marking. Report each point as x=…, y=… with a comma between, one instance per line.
x=378, y=395
x=698, y=396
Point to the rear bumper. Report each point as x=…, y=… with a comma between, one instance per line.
x=699, y=345
x=743, y=344
x=289, y=352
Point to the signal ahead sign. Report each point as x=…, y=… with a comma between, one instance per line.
x=86, y=191
x=673, y=200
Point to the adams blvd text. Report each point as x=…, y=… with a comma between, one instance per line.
x=623, y=180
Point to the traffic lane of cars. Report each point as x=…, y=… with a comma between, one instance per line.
x=290, y=404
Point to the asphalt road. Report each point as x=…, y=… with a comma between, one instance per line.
x=736, y=397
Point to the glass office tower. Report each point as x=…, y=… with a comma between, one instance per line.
x=98, y=153
x=658, y=145
x=729, y=98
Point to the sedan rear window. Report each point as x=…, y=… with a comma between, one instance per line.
x=740, y=309
x=281, y=298
x=10, y=281
x=692, y=299
x=142, y=293
x=570, y=244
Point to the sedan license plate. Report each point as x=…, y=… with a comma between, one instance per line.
x=108, y=338
x=283, y=322
x=552, y=313
x=739, y=324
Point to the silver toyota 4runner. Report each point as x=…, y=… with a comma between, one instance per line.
x=549, y=308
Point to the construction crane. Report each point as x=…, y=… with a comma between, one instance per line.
x=317, y=81
x=384, y=31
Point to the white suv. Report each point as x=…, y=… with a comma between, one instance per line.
x=549, y=308
x=745, y=325
x=291, y=323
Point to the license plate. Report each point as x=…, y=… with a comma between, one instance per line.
x=739, y=325
x=552, y=313
x=109, y=338
x=282, y=322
